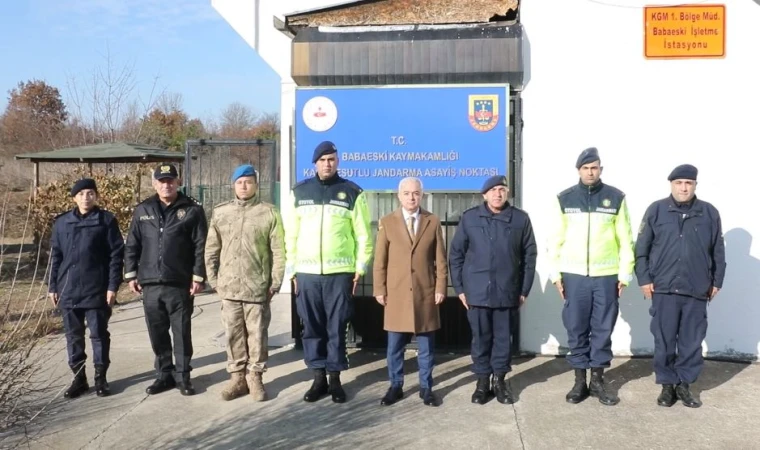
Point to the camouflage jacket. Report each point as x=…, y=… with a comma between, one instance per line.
x=245, y=250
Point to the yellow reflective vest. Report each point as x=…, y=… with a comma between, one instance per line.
x=591, y=234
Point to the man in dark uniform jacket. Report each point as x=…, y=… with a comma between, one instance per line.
x=164, y=260
x=85, y=273
x=680, y=265
x=492, y=260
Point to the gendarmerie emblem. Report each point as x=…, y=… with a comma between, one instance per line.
x=181, y=214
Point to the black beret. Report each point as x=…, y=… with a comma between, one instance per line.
x=165, y=171
x=589, y=155
x=84, y=183
x=683, y=172
x=325, y=148
x=496, y=180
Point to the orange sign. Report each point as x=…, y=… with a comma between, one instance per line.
x=689, y=31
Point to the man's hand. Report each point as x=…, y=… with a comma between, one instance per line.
x=53, y=298
x=295, y=286
x=648, y=291
x=713, y=292
x=356, y=281
x=439, y=298
x=560, y=288
x=463, y=299
x=135, y=287
x=381, y=299
x=271, y=293
x=522, y=300
x=196, y=288
x=111, y=298
x=620, y=286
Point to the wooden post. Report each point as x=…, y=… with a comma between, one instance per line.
x=36, y=181
x=89, y=168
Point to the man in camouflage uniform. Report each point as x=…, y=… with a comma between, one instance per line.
x=245, y=261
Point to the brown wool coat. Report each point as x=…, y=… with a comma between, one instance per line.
x=410, y=273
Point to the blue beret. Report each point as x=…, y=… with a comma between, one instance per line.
x=589, y=155
x=246, y=170
x=683, y=172
x=324, y=148
x=84, y=183
x=496, y=180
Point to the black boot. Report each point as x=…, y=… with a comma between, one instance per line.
x=482, y=391
x=686, y=397
x=79, y=386
x=596, y=388
x=579, y=392
x=101, y=385
x=502, y=390
x=336, y=390
x=667, y=396
x=186, y=386
x=318, y=388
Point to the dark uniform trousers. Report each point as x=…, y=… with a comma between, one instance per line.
x=74, y=320
x=324, y=305
x=589, y=315
x=491, y=349
x=679, y=325
x=169, y=307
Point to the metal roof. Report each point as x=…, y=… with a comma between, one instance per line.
x=112, y=152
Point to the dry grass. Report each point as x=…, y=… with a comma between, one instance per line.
x=405, y=12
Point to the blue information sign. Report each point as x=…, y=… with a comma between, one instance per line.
x=451, y=137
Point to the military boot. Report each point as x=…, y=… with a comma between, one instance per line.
x=101, y=385
x=318, y=388
x=482, y=390
x=684, y=394
x=336, y=389
x=596, y=388
x=668, y=395
x=79, y=386
x=256, y=386
x=579, y=392
x=236, y=387
x=502, y=390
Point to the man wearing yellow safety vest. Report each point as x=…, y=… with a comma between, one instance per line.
x=327, y=250
x=591, y=256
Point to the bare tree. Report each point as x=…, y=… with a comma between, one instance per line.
x=107, y=105
x=236, y=121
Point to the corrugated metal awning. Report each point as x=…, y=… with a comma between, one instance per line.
x=415, y=54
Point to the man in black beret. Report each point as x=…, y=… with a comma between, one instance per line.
x=591, y=258
x=492, y=261
x=680, y=266
x=85, y=273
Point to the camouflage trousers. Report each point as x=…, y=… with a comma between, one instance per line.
x=246, y=327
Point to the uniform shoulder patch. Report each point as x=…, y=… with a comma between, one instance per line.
x=194, y=200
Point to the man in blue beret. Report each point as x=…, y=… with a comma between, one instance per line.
x=590, y=250
x=85, y=273
x=492, y=260
x=245, y=263
x=680, y=266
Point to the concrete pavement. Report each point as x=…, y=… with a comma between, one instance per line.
x=541, y=419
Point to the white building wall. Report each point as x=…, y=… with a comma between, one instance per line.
x=590, y=85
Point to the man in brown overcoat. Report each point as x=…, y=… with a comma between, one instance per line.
x=410, y=278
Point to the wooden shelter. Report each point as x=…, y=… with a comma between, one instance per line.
x=107, y=153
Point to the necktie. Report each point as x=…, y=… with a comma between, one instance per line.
x=410, y=226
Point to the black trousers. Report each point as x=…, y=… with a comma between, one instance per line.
x=325, y=305
x=169, y=307
x=491, y=348
x=679, y=325
x=74, y=320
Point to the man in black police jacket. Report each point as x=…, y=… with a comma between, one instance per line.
x=680, y=265
x=164, y=260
